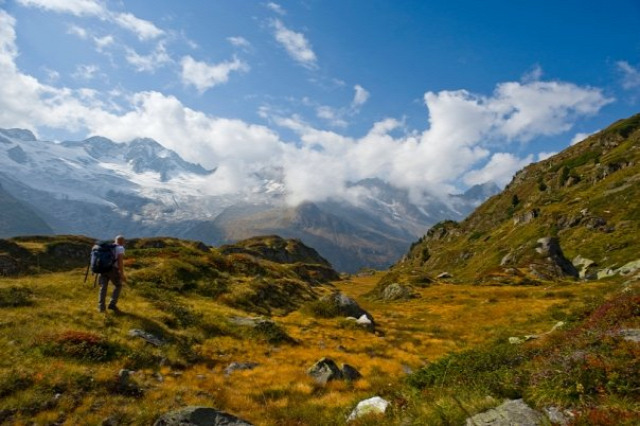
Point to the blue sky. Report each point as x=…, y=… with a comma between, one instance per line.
x=427, y=95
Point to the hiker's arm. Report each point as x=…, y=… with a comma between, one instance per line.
x=121, y=268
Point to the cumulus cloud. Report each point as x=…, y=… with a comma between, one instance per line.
x=499, y=169
x=74, y=7
x=579, y=137
x=296, y=44
x=466, y=139
x=239, y=42
x=204, y=76
x=78, y=31
x=149, y=63
x=544, y=155
x=275, y=7
x=360, y=97
x=331, y=115
x=103, y=42
x=630, y=75
x=86, y=71
x=144, y=30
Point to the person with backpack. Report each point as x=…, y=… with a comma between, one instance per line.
x=112, y=270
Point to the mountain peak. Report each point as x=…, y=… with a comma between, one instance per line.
x=20, y=134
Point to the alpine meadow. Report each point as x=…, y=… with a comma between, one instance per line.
x=477, y=312
x=319, y=213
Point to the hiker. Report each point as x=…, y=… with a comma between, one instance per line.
x=115, y=275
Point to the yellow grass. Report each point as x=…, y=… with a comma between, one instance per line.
x=443, y=319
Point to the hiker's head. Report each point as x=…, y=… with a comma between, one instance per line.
x=119, y=240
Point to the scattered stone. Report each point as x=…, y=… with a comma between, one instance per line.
x=526, y=217
x=630, y=334
x=325, y=370
x=558, y=417
x=147, y=337
x=444, y=276
x=124, y=377
x=395, y=291
x=552, y=263
x=349, y=373
x=629, y=268
x=375, y=405
x=239, y=366
x=586, y=268
x=346, y=306
x=199, y=416
x=511, y=412
x=507, y=259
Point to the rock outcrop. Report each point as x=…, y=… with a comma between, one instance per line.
x=512, y=412
x=199, y=416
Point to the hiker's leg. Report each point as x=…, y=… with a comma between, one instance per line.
x=115, y=278
x=103, y=281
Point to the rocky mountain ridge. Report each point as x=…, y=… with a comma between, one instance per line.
x=139, y=188
x=580, y=204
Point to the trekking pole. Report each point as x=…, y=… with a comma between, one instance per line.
x=86, y=274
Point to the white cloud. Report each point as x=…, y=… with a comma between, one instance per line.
x=86, y=71
x=145, y=30
x=204, y=76
x=544, y=155
x=149, y=63
x=239, y=42
x=296, y=45
x=630, y=75
x=500, y=169
x=360, y=97
x=103, y=42
x=579, y=137
x=275, y=7
x=333, y=117
x=467, y=138
x=535, y=74
x=74, y=7
x=78, y=32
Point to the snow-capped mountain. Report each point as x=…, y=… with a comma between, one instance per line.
x=98, y=187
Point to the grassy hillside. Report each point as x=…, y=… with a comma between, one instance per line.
x=437, y=358
x=586, y=197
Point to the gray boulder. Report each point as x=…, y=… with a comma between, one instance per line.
x=511, y=412
x=586, y=268
x=239, y=366
x=146, y=336
x=395, y=291
x=199, y=416
x=349, y=373
x=551, y=264
x=325, y=370
x=346, y=306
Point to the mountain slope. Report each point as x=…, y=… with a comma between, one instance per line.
x=139, y=188
x=16, y=218
x=585, y=198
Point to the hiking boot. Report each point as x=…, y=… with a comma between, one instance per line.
x=101, y=309
x=115, y=309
